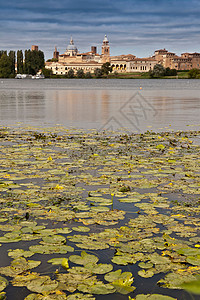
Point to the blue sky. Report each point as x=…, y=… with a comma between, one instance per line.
x=133, y=26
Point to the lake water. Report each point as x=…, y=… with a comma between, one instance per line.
x=132, y=104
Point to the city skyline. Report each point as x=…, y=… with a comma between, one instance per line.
x=137, y=27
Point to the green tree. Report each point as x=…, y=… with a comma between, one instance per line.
x=71, y=73
x=12, y=59
x=80, y=73
x=106, y=68
x=158, y=71
x=98, y=73
x=34, y=61
x=19, y=62
x=2, y=52
x=88, y=75
x=46, y=72
x=193, y=73
x=5, y=66
x=170, y=72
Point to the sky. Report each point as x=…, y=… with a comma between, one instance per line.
x=137, y=27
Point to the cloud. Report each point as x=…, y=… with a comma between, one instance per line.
x=132, y=26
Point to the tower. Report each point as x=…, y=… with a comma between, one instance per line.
x=55, y=54
x=105, y=50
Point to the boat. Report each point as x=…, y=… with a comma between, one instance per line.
x=23, y=76
x=38, y=76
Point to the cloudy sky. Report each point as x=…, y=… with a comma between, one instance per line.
x=132, y=26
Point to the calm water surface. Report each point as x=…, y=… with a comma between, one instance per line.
x=133, y=104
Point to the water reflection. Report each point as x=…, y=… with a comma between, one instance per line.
x=79, y=104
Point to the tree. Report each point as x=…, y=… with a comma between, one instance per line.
x=158, y=71
x=46, y=72
x=71, y=73
x=170, y=72
x=193, y=73
x=106, y=68
x=12, y=60
x=98, y=73
x=80, y=73
x=19, y=62
x=5, y=66
x=88, y=75
x=34, y=61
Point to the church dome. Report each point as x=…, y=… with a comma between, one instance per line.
x=71, y=46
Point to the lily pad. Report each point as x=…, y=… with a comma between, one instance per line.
x=83, y=259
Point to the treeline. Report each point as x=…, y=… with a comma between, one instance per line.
x=28, y=63
x=159, y=71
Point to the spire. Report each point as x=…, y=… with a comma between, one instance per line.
x=105, y=38
x=71, y=41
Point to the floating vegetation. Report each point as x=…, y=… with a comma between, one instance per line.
x=85, y=214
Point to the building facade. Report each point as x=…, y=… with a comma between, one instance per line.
x=89, y=61
x=74, y=60
x=186, y=61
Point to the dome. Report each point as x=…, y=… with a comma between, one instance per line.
x=71, y=46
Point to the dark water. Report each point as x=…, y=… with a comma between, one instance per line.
x=135, y=104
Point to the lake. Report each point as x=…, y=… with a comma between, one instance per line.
x=132, y=104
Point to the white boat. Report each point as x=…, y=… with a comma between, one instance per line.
x=23, y=76
x=38, y=76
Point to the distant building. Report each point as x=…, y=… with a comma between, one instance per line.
x=72, y=59
x=186, y=61
x=34, y=48
x=89, y=61
x=56, y=54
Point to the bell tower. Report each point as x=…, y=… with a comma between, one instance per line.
x=105, y=50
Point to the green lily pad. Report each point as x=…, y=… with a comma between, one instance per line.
x=153, y=297
x=83, y=259
x=79, y=296
x=98, y=268
x=3, y=283
x=42, y=285
x=146, y=273
x=192, y=286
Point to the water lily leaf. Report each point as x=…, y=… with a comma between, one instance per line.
x=99, y=208
x=42, y=285
x=189, y=251
x=19, y=252
x=23, y=280
x=123, y=285
x=113, y=276
x=79, y=296
x=2, y=296
x=83, y=259
x=98, y=288
x=58, y=296
x=192, y=286
x=56, y=261
x=3, y=283
x=193, y=260
x=153, y=297
x=55, y=239
x=98, y=268
x=51, y=249
x=81, y=228
x=146, y=273
x=147, y=265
